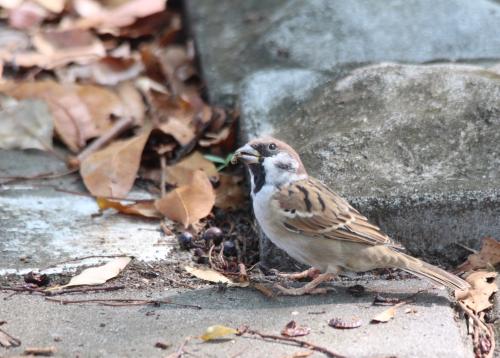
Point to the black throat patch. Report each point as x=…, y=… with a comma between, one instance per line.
x=259, y=176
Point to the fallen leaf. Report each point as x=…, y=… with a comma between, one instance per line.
x=292, y=329
x=483, y=287
x=216, y=332
x=143, y=208
x=182, y=172
x=25, y=124
x=108, y=20
x=108, y=71
x=132, y=100
x=72, y=119
x=230, y=193
x=387, y=315
x=181, y=132
x=215, y=138
x=65, y=46
x=101, y=274
x=55, y=6
x=103, y=105
x=56, y=48
x=111, y=171
x=189, y=203
x=213, y=276
x=488, y=257
x=27, y=15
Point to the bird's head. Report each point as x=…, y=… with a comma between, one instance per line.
x=271, y=162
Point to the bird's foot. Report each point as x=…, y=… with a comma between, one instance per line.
x=309, y=288
x=300, y=291
x=311, y=273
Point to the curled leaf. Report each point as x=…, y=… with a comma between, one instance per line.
x=216, y=332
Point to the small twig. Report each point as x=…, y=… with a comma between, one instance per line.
x=40, y=351
x=62, y=291
x=83, y=290
x=116, y=302
x=163, y=179
x=295, y=341
x=180, y=351
x=121, y=125
x=6, y=340
x=474, y=317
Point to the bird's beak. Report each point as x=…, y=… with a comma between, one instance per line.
x=247, y=154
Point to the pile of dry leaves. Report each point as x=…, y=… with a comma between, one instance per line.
x=114, y=81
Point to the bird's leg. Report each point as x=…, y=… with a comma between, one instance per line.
x=308, y=288
x=311, y=273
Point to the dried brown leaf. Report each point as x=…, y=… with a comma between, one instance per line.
x=387, y=315
x=103, y=104
x=132, y=100
x=99, y=275
x=56, y=48
x=189, y=203
x=483, y=287
x=182, y=132
x=27, y=15
x=292, y=329
x=215, y=138
x=109, y=20
x=230, y=193
x=143, y=208
x=213, y=276
x=52, y=5
x=107, y=71
x=72, y=119
x=182, y=172
x=488, y=257
x=111, y=171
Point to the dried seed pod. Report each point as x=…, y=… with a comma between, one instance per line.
x=213, y=234
x=341, y=324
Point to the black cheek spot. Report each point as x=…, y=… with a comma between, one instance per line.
x=284, y=166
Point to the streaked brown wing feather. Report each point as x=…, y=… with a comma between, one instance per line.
x=311, y=208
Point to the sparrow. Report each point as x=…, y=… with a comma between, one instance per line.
x=316, y=226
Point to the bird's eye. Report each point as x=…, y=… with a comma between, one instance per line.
x=272, y=146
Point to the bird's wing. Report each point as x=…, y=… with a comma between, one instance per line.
x=309, y=207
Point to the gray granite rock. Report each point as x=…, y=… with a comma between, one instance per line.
x=413, y=147
x=236, y=38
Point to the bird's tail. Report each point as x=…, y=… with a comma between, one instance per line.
x=431, y=272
